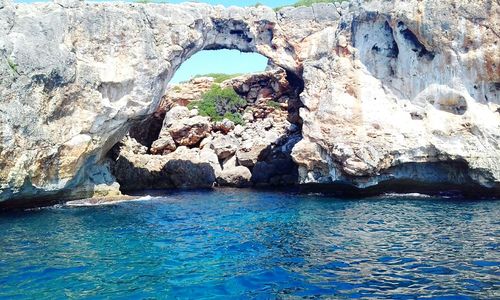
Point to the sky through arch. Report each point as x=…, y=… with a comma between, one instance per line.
x=219, y=61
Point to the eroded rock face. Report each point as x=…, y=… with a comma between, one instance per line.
x=405, y=84
x=386, y=84
x=184, y=168
x=75, y=77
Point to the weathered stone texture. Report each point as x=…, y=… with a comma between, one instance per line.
x=386, y=83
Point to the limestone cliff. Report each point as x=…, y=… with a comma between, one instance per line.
x=404, y=90
x=392, y=89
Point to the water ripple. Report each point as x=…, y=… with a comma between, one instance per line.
x=248, y=244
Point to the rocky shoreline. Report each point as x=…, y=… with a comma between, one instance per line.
x=389, y=94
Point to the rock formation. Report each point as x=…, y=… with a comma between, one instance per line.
x=409, y=92
x=392, y=90
x=256, y=152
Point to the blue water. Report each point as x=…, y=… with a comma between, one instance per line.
x=241, y=244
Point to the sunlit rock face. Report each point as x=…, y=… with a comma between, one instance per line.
x=386, y=83
x=75, y=76
x=398, y=87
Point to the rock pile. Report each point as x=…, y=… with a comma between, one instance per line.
x=190, y=146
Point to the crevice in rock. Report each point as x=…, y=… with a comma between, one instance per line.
x=451, y=178
x=393, y=50
x=150, y=25
x=416, y=45
x=114, y=91
x=295, y=103
x=378, y=50
x=50, y=82
x=148, y=131
x=224, y=28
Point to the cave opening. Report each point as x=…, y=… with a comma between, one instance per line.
x=221, y=122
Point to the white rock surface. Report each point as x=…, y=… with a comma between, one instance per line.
x=387, y=84
x=408, y=87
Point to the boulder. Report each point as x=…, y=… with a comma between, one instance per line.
x=248, y=116
x=175, y=114
x=191, y=168
x=271, y=84
x=209, y=156
x=184, y=93
x=224, y=146
x=163, y=145
x=193, y=113
x=249, y=155
x=184, y=173
x=206, y=141
x=133, y=146
x=238, y=130
x=238, y=176
x=183, y=168
x=178, y=129
x=190, y=131
x=224, y=126
x=230, y=162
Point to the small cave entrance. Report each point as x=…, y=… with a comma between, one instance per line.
x=231, y=126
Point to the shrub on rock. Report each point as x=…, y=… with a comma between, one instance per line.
x=219, y=103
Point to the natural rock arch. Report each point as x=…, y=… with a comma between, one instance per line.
x=76, y=75
x=88, y=71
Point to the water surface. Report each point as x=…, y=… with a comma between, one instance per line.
x=246, y=244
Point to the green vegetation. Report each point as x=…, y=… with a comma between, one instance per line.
x=273, y=104
x=220, y=103
x=309, y=3
x=236, y=118
x=12, y=65
x=177, y=88
x=219, y=77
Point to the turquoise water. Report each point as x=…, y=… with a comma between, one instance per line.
x=241, y=244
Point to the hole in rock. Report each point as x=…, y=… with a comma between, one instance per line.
x=227, y=118
x=416, y=45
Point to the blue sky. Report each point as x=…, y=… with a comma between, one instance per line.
x=219, y=61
